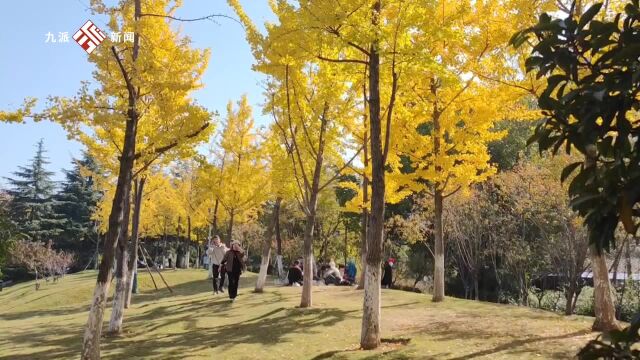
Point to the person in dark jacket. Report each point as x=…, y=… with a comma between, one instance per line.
x=295, y=274
x=387, y=277
x=233, y=262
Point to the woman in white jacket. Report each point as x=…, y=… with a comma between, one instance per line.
x=216, y=253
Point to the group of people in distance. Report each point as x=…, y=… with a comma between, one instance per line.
x=342, y=275
x=328, y=273
x=223, y=261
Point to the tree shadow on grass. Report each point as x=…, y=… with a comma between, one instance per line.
x=272, y=327
x=22, y=315
x=375, y=355
x=517, y=345
x=65, y=345
x=154, y=310
x=513, y=343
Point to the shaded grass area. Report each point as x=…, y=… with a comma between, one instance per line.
x=194, y=324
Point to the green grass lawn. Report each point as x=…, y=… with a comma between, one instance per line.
x=194, y=324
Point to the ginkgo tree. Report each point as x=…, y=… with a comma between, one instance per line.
x=451, y=105
x=282, y=188
x=313, y=111
x=341, y=40
x=237, y=182
x=398, y=45
x=141, y=91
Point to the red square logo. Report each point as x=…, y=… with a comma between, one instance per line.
x=89, y=36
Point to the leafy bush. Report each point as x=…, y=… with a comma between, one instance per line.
x=40, y=259
x=552, y=301
x=584, y=305
x=618, y=344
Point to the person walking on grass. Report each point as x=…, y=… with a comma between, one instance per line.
x=233, y=262
x=216, y=252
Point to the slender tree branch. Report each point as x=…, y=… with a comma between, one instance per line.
x=125, y=75
x=208, y=17
x=355, y=61
x=347, y=164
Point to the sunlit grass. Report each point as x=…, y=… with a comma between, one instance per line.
x=194, y=324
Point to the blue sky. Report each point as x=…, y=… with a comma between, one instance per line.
x=29, y=66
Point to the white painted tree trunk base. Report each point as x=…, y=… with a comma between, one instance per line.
x=129, y=289
x=262, y=275
x=93, y=329
x=370, y=336
x=307, y=283
x=280, y=266
x=117, y=311
x=438, y=278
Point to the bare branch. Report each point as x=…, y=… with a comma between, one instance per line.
x=125, y=75
x=342, y=60
x=339, y=172
x=163, y=149
x=208, y=17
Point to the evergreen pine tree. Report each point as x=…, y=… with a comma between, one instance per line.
x=8, y=230
x=32, y=202
x=76, y=202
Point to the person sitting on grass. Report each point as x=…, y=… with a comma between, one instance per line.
x=332, y=275
x=350, y=272
x=295, y=274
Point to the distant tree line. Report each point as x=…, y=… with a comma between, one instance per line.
x=35, y=209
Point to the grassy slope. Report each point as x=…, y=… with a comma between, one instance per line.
x=194, y=324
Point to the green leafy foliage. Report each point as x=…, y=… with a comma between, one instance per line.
x=591, y=103
x=506, y=152
x=614, y=345
x=32, y=198
x=75, y=203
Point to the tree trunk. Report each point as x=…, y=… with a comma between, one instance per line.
x=568, y=295
x=119, y=295
x=346, y=243
x=370, y=335
x=603, y=303
x=365, y=215
x=97, y=253
x=438, y=263
x=230, y=230
x=133, y=250
x=93, y=329
x=312, y=207
x=215, y=216
x=187, y=245
x=365, y=188
x=363, y=247
x=476, y=288
x=279, y=244
x=307, y=283
x=180, y=248
x=198, y=251
x=266, y=249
